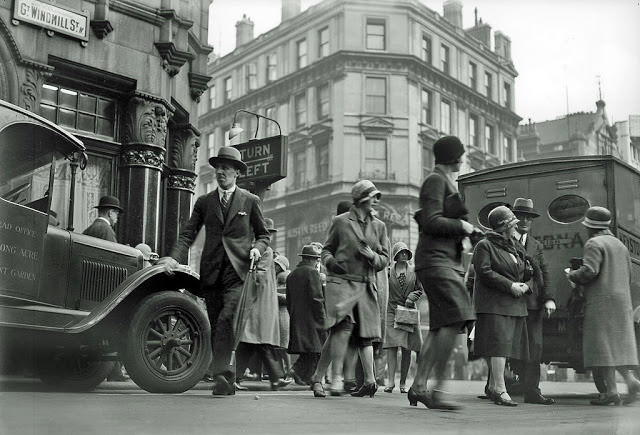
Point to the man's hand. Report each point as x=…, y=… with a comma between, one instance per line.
x=466, y=226
x=549, y=307
x=170, y=264
x=366, y=252
x=518, y=289
x=254, y=255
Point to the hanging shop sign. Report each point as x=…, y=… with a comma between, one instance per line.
x=266, y=159
x=53, y=18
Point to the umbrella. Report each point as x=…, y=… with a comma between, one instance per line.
x=248, y=297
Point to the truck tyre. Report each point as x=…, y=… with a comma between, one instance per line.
x=167, y=348
x=73, y=371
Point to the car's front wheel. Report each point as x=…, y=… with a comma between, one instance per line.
x=167, y=348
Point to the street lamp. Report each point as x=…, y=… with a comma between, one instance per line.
x=236, y=129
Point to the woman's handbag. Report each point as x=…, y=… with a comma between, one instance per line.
x=407, y=316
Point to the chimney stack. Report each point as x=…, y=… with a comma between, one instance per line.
x=453, y=12
x=502, y=45
x=482, y=32
x=244, y=31
x=290, y=8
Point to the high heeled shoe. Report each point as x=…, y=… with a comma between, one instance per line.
x=389, y=389
x=415, y=397
x=503, y=399
x=366, y=390
x=350, y=386
x=403, y=389
x=632, y=395
x=607, y=399
x=318, y=389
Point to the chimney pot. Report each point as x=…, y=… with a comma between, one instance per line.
x=453, y=12
x=290, y=8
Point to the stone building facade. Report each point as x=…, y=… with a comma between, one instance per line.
x=125, y=77
x=362, y=88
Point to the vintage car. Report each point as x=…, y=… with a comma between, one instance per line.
x=71, y=304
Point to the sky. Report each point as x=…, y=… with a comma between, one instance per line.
x=566, y=52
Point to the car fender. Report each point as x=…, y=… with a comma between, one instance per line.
x=141, y=283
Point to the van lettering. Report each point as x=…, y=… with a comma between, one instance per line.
x=9, y=249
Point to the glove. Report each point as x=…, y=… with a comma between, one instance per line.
x=335, y=267
x=409, y=303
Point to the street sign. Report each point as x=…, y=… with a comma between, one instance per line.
x=54, y=18
x=266, y=159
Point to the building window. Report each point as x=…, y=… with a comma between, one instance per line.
x=488, y=90
x=445, y=117
x=302, y=53
x=427, y=161
x=79, y=110
x=425, y=53
x=444, y=59
x=473, y=130
x=375, y=34
x=252, y=76
x=508, y=149
x=491, y=140
x=212, y=97
x=299, y=169
x=507, y=95
x=473, y=76
x=322, y=160
x=272, y=63
x=375, y=161
x=323, y=42
x=228, y=88
x=271, y=129
x=376, y=95
x=322, y=94
x=301, y=110
x=425, y=101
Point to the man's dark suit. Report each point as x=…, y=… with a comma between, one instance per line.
x=101, y=229
x=229, y=236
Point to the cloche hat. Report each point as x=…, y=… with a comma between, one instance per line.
x=501, y=218
x=448, y=150
x=524, y=206
x=597, y=217
x=398, y=247
x=229, y=155
x=363, y=190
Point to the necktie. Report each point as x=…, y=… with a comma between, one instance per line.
x=225, y=199
x=402, y=280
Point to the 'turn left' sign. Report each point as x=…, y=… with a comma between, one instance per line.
x=60, y=20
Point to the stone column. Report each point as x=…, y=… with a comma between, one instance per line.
x=181, y=182
x=141, y=163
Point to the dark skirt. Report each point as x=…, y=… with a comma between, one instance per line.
x=498, y=335
x=449, y=300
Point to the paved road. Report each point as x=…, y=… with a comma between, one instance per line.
x=122, y=408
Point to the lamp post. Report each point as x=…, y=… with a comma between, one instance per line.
x=236, y=129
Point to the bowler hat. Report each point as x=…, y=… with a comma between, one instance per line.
x=310, y=251
x=229, y=155
x=448, y=150
x=398, y=247
x=598, y=218
x=524, y=206
x=109, y=201
x=501, y=218
x=364, y=190
x=268, y=223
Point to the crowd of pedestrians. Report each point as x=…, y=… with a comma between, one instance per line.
x=352, y=297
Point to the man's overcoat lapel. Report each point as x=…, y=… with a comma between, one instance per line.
x=236, y=205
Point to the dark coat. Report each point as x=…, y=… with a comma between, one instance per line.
x=102, y=230
x=441, y=232
x=233, y=235
x=541, y=288
x=305, y=304
x=356, y=288
x=495, y=272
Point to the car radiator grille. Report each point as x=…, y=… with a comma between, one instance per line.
x=98, y=280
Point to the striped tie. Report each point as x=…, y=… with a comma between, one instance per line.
x=225, y=199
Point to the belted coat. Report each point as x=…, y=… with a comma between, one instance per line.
x=357, y=287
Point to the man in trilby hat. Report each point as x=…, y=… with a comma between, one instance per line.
x=541, y=300
x=108, y=212
x=235, y=235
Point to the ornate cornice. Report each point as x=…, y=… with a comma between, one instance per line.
x=182, y=180
x=198, y=84
x=138, y=11
x=376, y=126
x=172, y=58
x=197, y=45
x=142, y=155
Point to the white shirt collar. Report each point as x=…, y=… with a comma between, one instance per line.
x=523, y=239
x=221, y=191
x=105, y=219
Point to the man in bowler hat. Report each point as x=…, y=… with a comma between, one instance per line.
x=108, y=211
x=539, y=301
x=235, y=235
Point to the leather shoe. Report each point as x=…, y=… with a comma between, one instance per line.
x=221, y=387
x=504, y=399
x=280, y=383
x=607, y=399
x=538, y=398
x=350, y=386
x=632, y=395
x=437, y=402
x=318, y=389
x=239, y=387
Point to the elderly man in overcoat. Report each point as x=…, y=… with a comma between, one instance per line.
x=108, y=212
x=235, y=234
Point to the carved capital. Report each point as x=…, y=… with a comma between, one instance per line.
x=182, y=180
x=145, y=122
x=184, y=147
x=31, y=87
x=143, y=155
